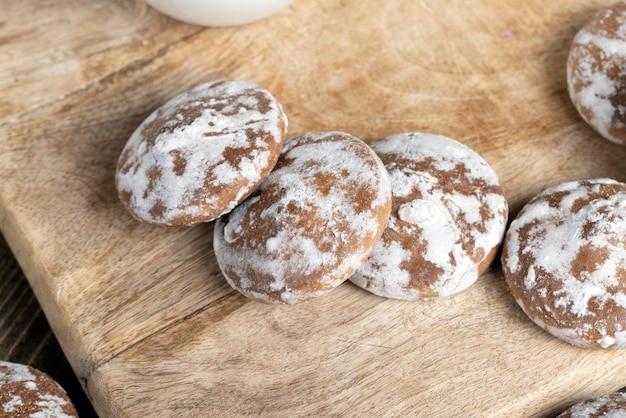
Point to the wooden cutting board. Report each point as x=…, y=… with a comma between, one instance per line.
x=144, y=316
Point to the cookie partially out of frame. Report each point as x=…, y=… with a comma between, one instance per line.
x=28, y=392
x=311, y=223
x=447, y=221
x=201, y=153
x=612, y=405
x=595, y=72
x=564, y=260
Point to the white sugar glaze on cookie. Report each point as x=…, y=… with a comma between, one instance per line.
x=447, y=221
x=564, y=259
x=201, y=153
x=612, y=405
x=310, y=224
x=595, y=73
x=28, y=392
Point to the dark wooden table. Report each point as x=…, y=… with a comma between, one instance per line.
x=25, y=336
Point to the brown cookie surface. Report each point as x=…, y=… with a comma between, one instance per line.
x=310, y=224
x=595, y=76
x=447, y=221
x=201, y=153
x=564, y=260
x=612, y=405
x=28, y=392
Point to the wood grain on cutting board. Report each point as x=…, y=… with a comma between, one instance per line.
x=144, y=315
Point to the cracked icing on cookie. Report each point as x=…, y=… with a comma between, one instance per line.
x=310, y=224
x=447, y=220
x=612, y=405
x=201, y=153
x=564, y=260
x=27, y=392
x=595, y=73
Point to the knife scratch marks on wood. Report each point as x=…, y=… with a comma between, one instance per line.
x=426, y=7
x=98, y=85
x=356, y=342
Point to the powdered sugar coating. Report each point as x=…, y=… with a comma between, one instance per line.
x=612, y=405
x=448, y=218
x=27, y=392
x=564, y=260
x=595, y=73
x=201, y=153
x=310, y=224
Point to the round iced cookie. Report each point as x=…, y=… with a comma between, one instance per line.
x=28, y=392
x=201, y=153
x=612, y=405
x=595, y=76
x=447, y=221
x=310, y=224
x=564, y=260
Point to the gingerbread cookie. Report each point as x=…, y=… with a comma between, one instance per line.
x=595, y=76
x=605, y=406
x=564, y=260
x=201, y=153
x=447, y=221
x=28, y=392
x=311, y=223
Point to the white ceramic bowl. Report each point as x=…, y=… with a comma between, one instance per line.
x=218, y=12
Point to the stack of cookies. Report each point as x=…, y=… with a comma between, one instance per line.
x=413, y=216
